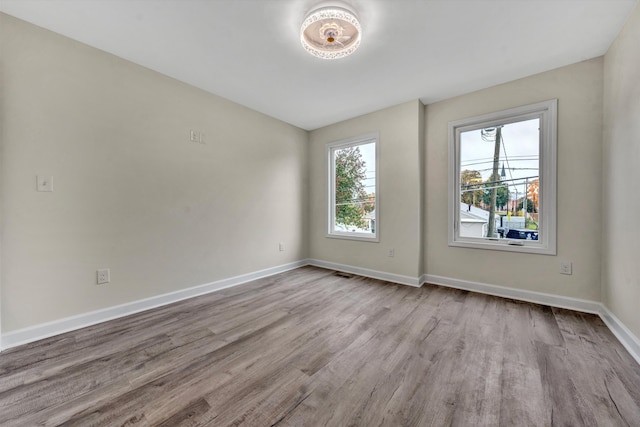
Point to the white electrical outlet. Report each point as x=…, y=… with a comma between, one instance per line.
x=104, y=276
x=565, y=267
x=391, y=252
x=281, y=247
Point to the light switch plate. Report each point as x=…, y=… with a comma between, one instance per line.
x=44, y=183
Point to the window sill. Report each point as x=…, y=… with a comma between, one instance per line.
x=519, y=246
x=362, y=237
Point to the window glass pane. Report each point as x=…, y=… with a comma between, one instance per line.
x=355, y=189
x=500, y=181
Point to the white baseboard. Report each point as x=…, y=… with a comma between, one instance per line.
x=46, y=330
x=56, y=327
x=624, y=335
x=621, y=332
x=375, y=274
x=559, y=301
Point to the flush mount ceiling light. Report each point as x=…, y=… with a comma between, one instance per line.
x=330, y=33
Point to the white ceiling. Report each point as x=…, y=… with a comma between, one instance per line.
x=249, y=50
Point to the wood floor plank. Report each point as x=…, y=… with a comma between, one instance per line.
x=593, y=376
x=521, y=383
x=312, y=348
x=77, y=380
x=194, y=414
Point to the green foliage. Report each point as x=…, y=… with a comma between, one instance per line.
x=531, y=207
x=530, y=224
x=370, y=204
x=502, y=196
x=470, y=179
x=352, y=201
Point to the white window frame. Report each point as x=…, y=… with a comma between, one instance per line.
x=331, y=148
x=546, y=111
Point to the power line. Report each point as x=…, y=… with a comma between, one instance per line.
x=480, y=184
x=515, y=159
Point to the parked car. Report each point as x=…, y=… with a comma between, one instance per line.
x=523, y=234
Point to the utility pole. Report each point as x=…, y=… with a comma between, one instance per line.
x=524, y=203
x=494, y=179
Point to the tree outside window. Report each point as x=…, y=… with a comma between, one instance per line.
x=352, y=195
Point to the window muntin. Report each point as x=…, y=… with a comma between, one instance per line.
x=503, y=180
x=353, y=201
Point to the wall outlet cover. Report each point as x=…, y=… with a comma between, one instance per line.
x=103, y=276
x=565, y=267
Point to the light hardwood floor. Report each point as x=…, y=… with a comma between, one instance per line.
x=310, y=348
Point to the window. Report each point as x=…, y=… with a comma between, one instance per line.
x=353, y=202
x=502, y=180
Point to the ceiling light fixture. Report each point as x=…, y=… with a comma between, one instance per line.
x=330, y=33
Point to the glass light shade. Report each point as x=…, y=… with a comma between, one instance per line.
x=330, y=33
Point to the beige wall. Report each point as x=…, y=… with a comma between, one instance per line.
x=621, y=166
x=134, y=195
x=399, y=224
x=578, y=88
x=131, y=192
